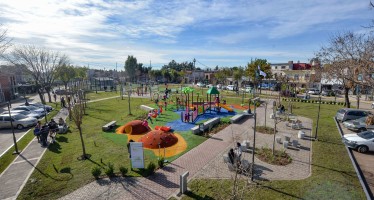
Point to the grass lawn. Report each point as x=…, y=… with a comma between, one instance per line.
x=60, y=172
x=8, y=157
x=333, y=176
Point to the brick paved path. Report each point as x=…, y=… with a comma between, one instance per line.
x=165, y=182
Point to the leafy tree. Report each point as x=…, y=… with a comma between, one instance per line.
x=131, y=65
x=65, y=73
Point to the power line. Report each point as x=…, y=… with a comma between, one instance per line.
x=202, y=64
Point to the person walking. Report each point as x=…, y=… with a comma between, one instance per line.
x=63, y=102
x=55, y=96
x=149, y=117
x=44, y=135
x=37, y=130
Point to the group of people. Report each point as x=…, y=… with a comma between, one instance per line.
x=49, y=129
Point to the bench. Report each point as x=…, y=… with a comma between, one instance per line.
x=147, y=108
x=236, y=118
x=206, y=125
x=109, y=126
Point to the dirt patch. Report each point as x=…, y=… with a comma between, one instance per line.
x=279, y=157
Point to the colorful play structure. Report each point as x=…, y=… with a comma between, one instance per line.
x=193, y=109
x=161, y=137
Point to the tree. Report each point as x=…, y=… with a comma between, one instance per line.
x=41, y=63
x=237, y=75
x=66, y=73
x=346, y=57
x=77, y=116
x=131, y=65
x=253, y=72
x=4, y=40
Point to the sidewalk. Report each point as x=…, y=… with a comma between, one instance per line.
x=13, y=179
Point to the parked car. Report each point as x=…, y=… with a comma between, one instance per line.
x=362, y=142
x=345, y=114
x=48, y=108
x=313, y=91
x=230, y=87
x=372, y=105
x=327, y=93
x=31, y=108
x=209, y=86
x=219, y=86
x=24, y=112
x=358, y=125
x=199, y=84
x=19, y=121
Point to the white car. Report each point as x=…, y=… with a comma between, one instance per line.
x=24, y=112
x=313, y=91
x=19, y=121
x=31, y=108
x=199, y=84
x=209, y=86
x=363, y=141
x=230, y=87
x=372, y=105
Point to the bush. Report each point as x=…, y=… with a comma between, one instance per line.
x=96, y=172
x=161, y=162
x=110, y=170
x=123, y=170
x=151, y=168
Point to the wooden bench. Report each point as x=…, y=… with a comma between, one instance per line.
x=147, y=108
x=236, y=118
x=109, y=126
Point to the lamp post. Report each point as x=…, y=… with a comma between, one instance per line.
x=319, y=109
x=254, y=141
x=14, y=136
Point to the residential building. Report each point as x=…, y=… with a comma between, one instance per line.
x=8, y=89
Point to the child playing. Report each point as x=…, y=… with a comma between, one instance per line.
x=145, y=123
x=149, y=117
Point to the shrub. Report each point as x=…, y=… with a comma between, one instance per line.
x=110, y=170
x=123, y=170
x=161, y=162
x=96, y=172
x=151, y=168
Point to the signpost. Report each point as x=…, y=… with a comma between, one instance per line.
x=137, y=154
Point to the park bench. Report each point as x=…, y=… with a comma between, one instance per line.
x=236, y=118
x=109, y=126
x=206, y=125
x=146, y=108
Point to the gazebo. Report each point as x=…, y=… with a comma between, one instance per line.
x=215, y=92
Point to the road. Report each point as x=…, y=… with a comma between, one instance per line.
x=6, y=136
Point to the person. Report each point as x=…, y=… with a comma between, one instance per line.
x=52, y=125
x=63, y=102
x=129, y=150
x=37, y=129
x=68, y=100
x=282, y=109
x=238, y=150
x=224, y=102
x=62, y=127
x=55, y=96
x=145, y=123
x=231, y=156
x=149, y=116
x=44, y=131
x=27, y=103
x=166, y=104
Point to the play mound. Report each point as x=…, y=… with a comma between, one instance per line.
x=155, y=137
x=134, y=127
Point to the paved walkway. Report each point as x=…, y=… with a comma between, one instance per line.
x=165, y=182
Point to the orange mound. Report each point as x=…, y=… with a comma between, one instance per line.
x=163, y=128
x=153, y=138
x=245, y=107
x=134, y=127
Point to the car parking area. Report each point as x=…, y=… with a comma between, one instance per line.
x=365, y=162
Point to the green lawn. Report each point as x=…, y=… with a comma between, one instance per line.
x=60, y=172
x=333, y=176
x=8, y=157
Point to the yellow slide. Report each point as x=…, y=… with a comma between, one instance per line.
x=225, y=106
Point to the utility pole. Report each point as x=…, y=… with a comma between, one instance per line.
x=319, y=110
x=254, y=141
x=14, y=136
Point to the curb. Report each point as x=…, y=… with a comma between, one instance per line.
x=357, y=168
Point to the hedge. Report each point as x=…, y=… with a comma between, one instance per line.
x=312, y=101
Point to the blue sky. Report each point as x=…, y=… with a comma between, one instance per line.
x=102, y=33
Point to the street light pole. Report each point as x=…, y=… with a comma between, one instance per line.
x=254, y=141
x=14, y=136
x=319, y=109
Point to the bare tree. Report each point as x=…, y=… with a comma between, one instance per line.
x=76, y=114
x=41, y=63
x=347, y=57
x=4, y=40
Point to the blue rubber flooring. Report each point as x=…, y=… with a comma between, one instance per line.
x=178, y=125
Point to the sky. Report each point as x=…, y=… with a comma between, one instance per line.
x=102, y=33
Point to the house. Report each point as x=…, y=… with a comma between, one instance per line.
x=8, y=87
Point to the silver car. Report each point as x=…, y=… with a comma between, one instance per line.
x=358, y=125
x=345, y=114
x=19, y=121
x=25, y=112
x=31, y=108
